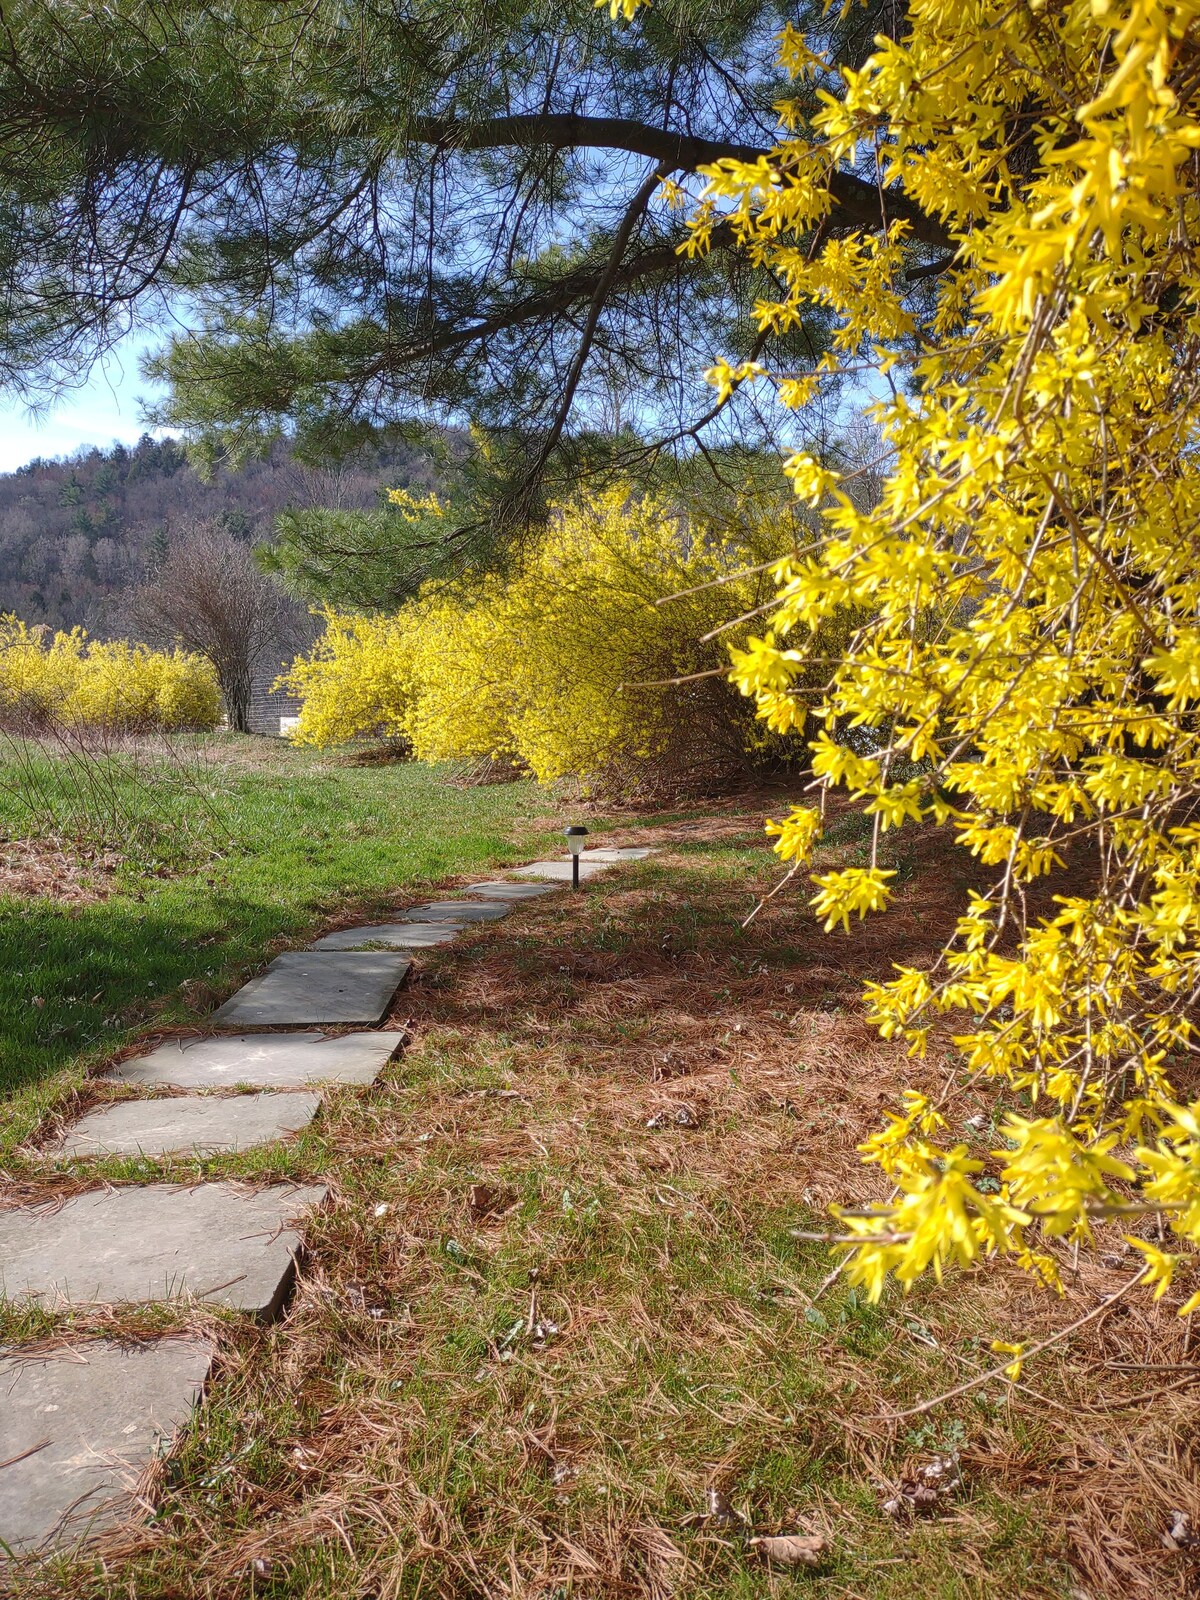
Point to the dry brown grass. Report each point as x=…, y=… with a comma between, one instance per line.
x=521, y=1377
x=31, y=868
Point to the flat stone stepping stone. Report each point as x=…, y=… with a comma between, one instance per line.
x=200, y=1127
x=560, y=871
x=283, y=1061
x=79, y=1426
x=455, y=911
x=398, y=935
x=624, y=853
x=503, y=890
x=223, y=1243
x=307, y=986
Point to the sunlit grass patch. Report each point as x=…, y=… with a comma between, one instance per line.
x=289, y=839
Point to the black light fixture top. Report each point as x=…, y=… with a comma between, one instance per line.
x=575, y=835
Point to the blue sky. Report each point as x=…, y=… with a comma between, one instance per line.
x=107, y=407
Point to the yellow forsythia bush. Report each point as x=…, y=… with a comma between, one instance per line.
x=1026, y=677
x=70, y=679
x=356, y=680
x=552, y=666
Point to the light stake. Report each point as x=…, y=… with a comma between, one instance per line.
x=575, y=835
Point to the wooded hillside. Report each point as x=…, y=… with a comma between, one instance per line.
x=77, y=534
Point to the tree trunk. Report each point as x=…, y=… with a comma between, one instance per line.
x=236, y=691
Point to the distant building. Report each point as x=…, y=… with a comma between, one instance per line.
x=272, y=711
x=275, y=712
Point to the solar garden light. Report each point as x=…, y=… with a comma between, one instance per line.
x=575, y=835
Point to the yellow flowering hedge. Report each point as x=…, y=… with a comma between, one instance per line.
x=549, y=666
x=1029, y=676
x=71, y=680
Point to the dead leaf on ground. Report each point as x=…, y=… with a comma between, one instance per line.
x=486, y=1199
x=669, y=1065
x=792, y=1549
x=718, y=1509
x=678, y=1117
x=492, y=1094
x=922, y=1489
x=1179, y=1536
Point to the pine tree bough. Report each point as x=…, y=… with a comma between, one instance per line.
x=860, y=204
x=373, y=220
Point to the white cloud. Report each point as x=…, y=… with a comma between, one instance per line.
x=108, y=407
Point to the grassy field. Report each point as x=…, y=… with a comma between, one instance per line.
x=556, y=1337
x=196, y=867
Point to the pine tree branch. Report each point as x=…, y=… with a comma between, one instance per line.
x=861, y=203
x=633, y=215
x=448, y=338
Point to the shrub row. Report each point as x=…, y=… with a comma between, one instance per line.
x=67, y=678
x=559, y=666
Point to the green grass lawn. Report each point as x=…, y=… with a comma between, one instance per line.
x=234, y=849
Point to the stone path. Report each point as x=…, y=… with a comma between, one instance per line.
x=396, y=935
x=187, y=1127
x=509, y=890
x=80, y=1424
x=223, y=1243
x=307, y=986
x=262, y=1060
x=456, y=911
x=560, y=871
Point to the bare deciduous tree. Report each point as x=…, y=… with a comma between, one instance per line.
x=210, y=596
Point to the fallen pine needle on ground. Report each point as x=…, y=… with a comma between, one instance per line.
x=556, y=1336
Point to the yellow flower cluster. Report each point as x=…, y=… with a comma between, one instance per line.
x=557, y=665
x=1024, y=666
x=413, y=507
x=69, y=679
